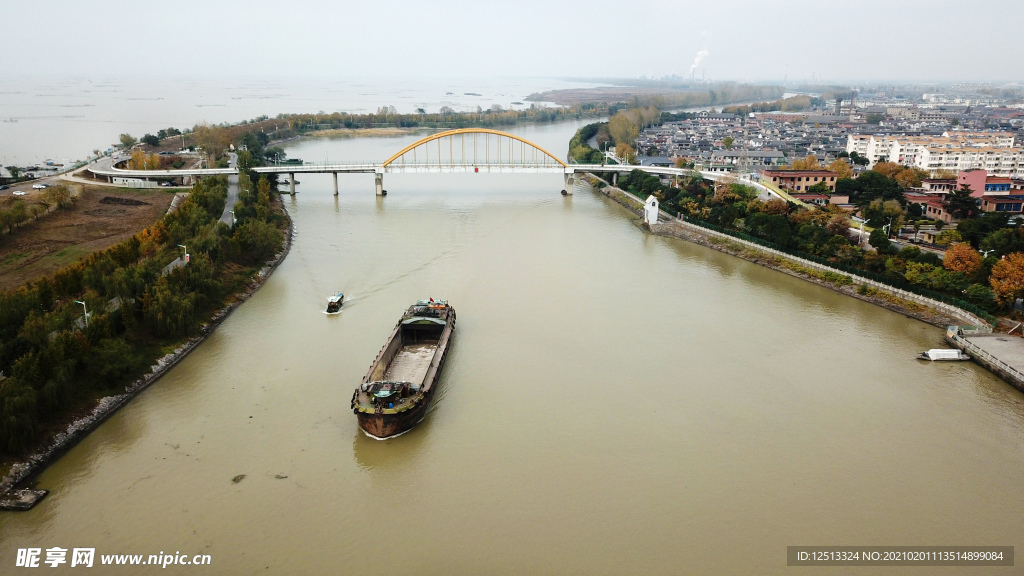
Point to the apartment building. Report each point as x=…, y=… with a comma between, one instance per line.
x=799, y=180
x=954, y=151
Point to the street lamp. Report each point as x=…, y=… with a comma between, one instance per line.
x=86, y=312
x=985, y=253
x=182, y=246
x=233, y=221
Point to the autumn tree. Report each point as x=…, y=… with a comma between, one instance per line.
x=962, y=258
x=127, y=140
x=1007, y=278
x=911, y=177
x=623, y=128
x=841, y=168
x=944, y=175
x=888, y=169
x=626, y=152
x=212, y=139
x=142, y=161
x=809, y=162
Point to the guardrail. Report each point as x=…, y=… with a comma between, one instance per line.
x=948, y=309
x=976, y=352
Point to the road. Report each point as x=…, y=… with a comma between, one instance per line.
x=229, y=204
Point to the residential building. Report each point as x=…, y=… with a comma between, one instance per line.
x=799, y=180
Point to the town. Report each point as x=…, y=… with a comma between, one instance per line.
x=938, y=143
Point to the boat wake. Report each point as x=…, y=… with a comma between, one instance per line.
x=368, y=435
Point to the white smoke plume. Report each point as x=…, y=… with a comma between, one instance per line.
x=703, y=53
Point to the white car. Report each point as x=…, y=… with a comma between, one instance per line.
x=39, y=186
x=19, y=192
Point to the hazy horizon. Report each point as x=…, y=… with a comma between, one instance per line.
x=743, y=41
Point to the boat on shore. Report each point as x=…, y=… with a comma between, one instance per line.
x=944, y=354
x=334, y=303
x=401, y=383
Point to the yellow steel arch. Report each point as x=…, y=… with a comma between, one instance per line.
x=458, y=131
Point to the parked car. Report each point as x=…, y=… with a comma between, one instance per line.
x=4, y=186
x=19, y=192
x=39, y=186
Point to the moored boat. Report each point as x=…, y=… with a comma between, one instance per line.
x=943, y=354
x=334, y=303
x=400, y=385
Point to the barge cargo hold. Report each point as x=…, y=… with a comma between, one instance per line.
x=400, y=385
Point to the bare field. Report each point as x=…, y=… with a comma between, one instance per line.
x=100, y=218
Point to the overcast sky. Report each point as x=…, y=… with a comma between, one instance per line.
x=757, y=40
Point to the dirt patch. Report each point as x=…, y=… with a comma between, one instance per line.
x=122, y=201
x=99, y=219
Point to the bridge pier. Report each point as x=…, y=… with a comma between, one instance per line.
x=291, y=183
x=335, y=174
x=570, y=179
x=378, y=183
x=615, y=178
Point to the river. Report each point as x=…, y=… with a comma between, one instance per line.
x=614, y=403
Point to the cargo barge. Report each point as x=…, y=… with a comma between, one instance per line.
x=400, y=385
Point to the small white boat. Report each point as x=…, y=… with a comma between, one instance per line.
x=944, y=354
x=334, y=304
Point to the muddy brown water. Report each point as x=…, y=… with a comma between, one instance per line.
x=614, y=403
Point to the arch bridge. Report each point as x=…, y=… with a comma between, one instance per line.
x=459, y=150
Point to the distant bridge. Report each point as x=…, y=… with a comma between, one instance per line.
x=453, y=151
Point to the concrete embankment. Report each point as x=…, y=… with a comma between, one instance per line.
x=906, y=303
x=80, y=428
x=1000, y=353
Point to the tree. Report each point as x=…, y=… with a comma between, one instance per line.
x=727, y=142
x=127, y=141
x=14, y=170
x=944, y=175
x=960, y=203
x=947, y=237
x=1007, y=278
x=962, y=258
x=622, y=129
x=911, y=177
x=810, y=162
x=870, y=186
x=879, y=240
x=858, y=159
x=884, y=212
x=59, y=195
x=211, y=139
x=888, y=169
x=1003, y=241
x=626, y=152
x=151, y=140
x=841, y=168
x=874, y=118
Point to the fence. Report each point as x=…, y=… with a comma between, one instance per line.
x=953, y=307
x=963, y=312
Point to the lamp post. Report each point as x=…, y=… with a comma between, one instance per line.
x=182, y=246
x=985, y=253
x=86, y=312
x=233, y=221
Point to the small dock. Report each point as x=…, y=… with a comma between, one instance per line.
x=1003, y=354
x=21, y=499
